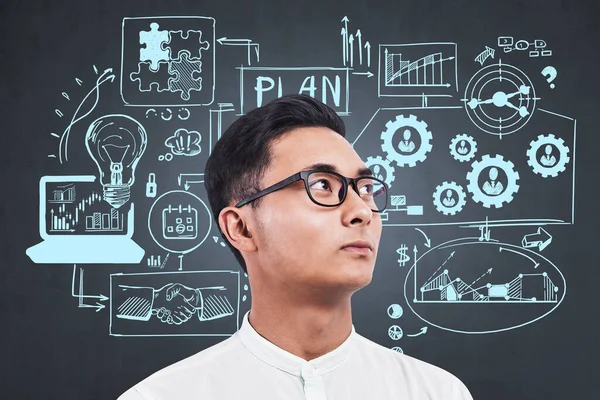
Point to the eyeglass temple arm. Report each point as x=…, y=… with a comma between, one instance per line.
x=277, y=186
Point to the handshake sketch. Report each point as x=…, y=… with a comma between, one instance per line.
x=173, y=303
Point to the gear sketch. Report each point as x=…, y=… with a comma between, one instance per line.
x=511, y=188
x=471, y=150
x=389, y=170
x=393, y=127
x=553, y=167
x=449, y=205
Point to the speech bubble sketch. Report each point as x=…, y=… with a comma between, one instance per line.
x=184, y=143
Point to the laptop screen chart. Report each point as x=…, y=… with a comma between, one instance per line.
x=77, y=208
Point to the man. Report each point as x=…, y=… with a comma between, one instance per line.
x=300, y=212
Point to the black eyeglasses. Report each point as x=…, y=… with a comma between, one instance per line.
x=329, y=189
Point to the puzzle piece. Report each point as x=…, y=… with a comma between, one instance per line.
x=187, y=75
x=190, y=41
x=154, y=51
x=148, y=78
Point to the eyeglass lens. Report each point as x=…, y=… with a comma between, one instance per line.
x=327, y=189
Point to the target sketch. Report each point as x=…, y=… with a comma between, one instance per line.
x=500, y=99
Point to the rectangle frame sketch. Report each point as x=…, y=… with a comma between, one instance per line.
x=259, y=85
x=464, y=194
x=182, y=303
x=168, y=61
x=418, y=69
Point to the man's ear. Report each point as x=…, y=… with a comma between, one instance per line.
x=234, y=225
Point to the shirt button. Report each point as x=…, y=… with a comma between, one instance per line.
x=308, y=370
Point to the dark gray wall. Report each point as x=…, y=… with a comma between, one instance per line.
x=67, y=332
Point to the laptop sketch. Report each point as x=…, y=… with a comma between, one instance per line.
x=78, y=227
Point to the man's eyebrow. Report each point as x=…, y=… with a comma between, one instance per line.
x=332, y=168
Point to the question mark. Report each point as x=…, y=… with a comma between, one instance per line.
x=551, y=73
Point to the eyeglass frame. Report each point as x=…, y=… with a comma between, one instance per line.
x=303, y=176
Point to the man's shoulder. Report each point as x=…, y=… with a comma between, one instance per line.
x=201, y=358
x=386, y=355
x=417, y=371
x=190, y=370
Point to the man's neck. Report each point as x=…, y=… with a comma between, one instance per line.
x=305, y=330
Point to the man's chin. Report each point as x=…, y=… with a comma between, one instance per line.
x=351, y=278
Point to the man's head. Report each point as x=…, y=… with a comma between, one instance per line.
x=285, y=236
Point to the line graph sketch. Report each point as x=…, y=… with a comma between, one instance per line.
x=515, y=285
x=417, y=70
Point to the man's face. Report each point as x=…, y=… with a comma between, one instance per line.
x=300, y=242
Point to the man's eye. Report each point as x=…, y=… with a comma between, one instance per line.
x=367, y=189
x=321, y=184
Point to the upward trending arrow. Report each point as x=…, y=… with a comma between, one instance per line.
x=421, y=332
x=344, y=45
x=360, y=48
x=351, y=47
x=345, y=21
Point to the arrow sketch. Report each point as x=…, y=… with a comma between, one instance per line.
x=535, y=264
x=242, y=42
x=427, y=241
x=421, y=332
x=368, y=74
x=541, y=239
x=360, y=48
x=187, y=179
x=489, y=271
x=63, y=146
x=440, y=267
x=344, y=49
x=99, y=306
x=484, y=55
x=351, y=45
x=345, y=39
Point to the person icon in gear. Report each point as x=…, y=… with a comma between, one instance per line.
x=406, y=145
x=462, y=149
x=449, y=200
x=548, y=160
x=377, y=172
x=493, y=187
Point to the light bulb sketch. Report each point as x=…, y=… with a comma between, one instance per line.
x=116, y=143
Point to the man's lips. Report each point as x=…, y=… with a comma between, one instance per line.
x=358, y=250
x=359, y=246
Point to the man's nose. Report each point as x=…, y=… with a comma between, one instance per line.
x=357, y=205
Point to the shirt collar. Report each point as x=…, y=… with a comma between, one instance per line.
x=288, y=362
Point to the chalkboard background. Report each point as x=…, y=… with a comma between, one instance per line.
x=62, y=337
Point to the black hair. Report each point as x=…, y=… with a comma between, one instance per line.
x=240, y=157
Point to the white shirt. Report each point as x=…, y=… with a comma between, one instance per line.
x=247, y=366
